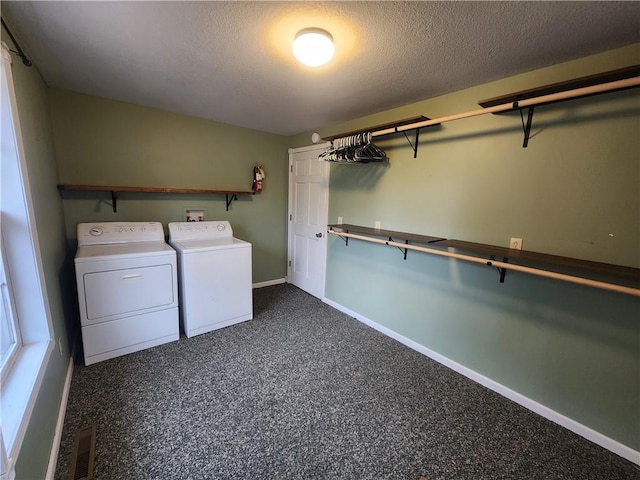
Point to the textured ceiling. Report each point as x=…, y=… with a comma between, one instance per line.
x=232, y=61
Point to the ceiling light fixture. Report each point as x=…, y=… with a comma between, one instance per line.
x=313, y=47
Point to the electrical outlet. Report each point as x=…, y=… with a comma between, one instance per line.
x=515, y=243
x=339, y=220
x=60, y=345
x=377, y=225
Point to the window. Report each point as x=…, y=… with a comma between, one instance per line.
x=10, y=339
x=26, y=320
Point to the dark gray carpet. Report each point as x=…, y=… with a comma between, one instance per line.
x=306, y=392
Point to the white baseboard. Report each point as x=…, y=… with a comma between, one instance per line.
x=268, y=283
x=55, y=448
x=576, y=427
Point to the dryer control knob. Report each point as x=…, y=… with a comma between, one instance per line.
x=221, y=227
x=96, y=232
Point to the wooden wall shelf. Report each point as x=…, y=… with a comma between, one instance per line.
x=581, y=82
x=389, y=128
x=403, y=236
x=384, y=126
x=502, y=258
x=230, y=195
x=527, y=257
x=555, y=92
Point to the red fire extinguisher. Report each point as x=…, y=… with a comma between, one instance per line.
x=258, y=176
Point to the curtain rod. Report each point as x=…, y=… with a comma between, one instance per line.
x=18, y=52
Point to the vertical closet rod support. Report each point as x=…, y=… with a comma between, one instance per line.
x=503, y=271
x=403, y=250
x=344, y=239
x=414, y=147
x=527, y=128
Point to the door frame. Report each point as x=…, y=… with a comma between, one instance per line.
x=320, y=147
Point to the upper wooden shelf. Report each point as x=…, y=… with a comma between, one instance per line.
x=581, y=82
x=384, y=126
x=230, y=195
x=493, y=252
x=104, y=188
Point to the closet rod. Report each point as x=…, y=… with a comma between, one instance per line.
x=493, y=263
x=530, y=102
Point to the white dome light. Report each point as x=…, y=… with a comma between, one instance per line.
x=313, y=47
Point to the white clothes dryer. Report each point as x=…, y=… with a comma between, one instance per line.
x=214, y=279
x=127, y=288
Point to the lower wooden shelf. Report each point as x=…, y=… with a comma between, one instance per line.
x=502, y=258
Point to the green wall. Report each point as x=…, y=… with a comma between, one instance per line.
x=105, y=142
x=574, y=192
x=31, y=96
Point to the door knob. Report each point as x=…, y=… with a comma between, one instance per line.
x=319, y=235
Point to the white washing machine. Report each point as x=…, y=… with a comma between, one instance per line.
x=127, y=288
x=215, y=280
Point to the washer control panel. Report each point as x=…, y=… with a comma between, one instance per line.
x=119, y=232
x=200, y=230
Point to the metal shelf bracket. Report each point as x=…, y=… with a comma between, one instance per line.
x=345, y=239
x=526, y=128
x=403, y=250
x=114, y=200
x=413, y=147
x=501, y=271
x=230, y=198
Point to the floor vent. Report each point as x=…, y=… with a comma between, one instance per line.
x=83, y=453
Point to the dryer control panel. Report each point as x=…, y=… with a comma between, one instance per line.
x=119, y=232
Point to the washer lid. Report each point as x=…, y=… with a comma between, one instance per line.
x=116, y=251
x=192, y=246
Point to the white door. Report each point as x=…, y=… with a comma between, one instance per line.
x=308, y=202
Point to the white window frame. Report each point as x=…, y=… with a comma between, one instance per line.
x=21, y=384
x=9, y=313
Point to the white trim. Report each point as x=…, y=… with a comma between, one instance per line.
x=268, y=283
x=24, y=263
x=32, y=254
x=596, y=437
x=7, y=470
x=55, y=447
x=19, y=395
